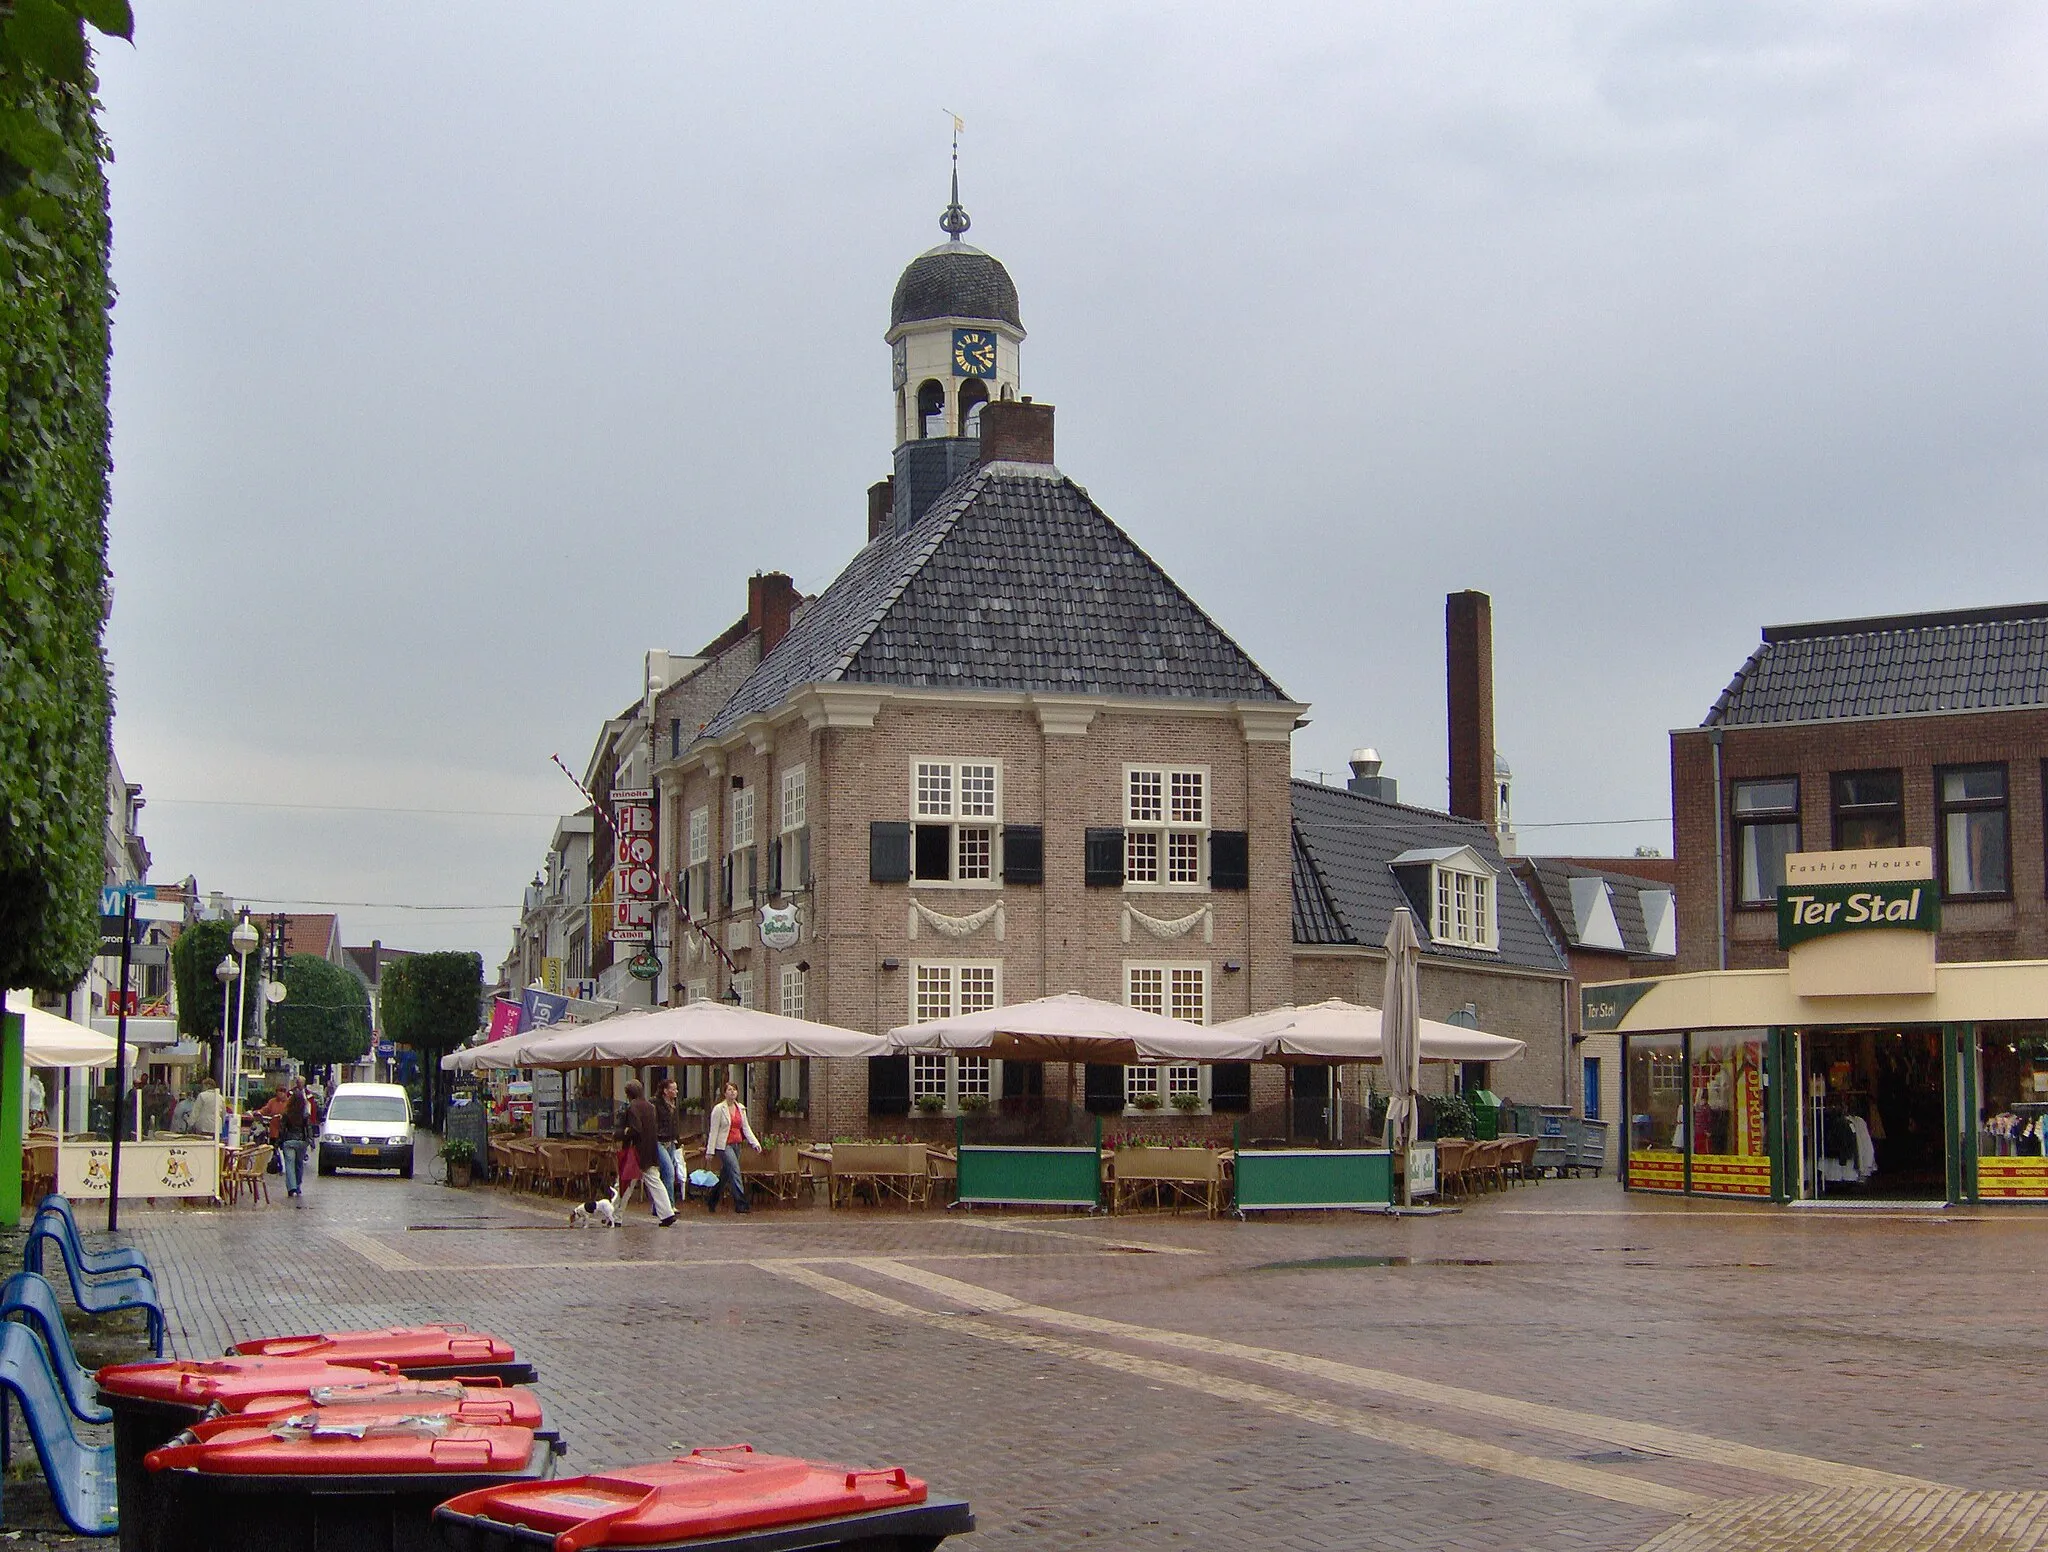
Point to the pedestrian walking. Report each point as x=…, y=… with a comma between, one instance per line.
x=640, y=1155
x=729, y=1127
x=297, y=1125
x=667, y=1140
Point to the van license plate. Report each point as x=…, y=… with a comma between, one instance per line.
x=365, y=1153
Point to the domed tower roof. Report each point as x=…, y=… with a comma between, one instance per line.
x=955, y=280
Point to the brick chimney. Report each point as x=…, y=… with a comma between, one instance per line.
x=1468, y=665
x=1016, y=431
x=881, y=502
x=771, y=600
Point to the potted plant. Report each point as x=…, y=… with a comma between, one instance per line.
x=789, y=1106
x=930, y=1104
x=460, y=1153
x=974, y=1104
x=1187, y=1104
x=1145, y=1102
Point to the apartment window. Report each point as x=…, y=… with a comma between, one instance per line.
x=955, y=806
x=1870, y=809
x=1766, y=833
x=742, y=863
x=941, y=991
x=742, y=991
x=696, y=891
x=696, y=991
x=1464, y=904
x=1970, y=815
x=793, y=992
x=792, y=864
x=1176, y=991
x=1166, y=823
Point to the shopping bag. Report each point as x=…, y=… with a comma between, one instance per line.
x=703, y=1178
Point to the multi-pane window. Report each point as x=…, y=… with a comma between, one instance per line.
x=1464, y=908
x=742, y=863
x=696, y=888
x=793, y=992
x=742, y=989
x=793, y=843
x=696, y=991
x=1166, y=823
x=1176, y=991
x=954, y=809
x=1870, y=809
x=1766, y=833
x=941, y=991
x=1971, y=821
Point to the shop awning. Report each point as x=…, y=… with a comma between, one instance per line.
x=1992, y=992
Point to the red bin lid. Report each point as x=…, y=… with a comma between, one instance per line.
x=407, y=1347
x=396, y=1396
x=705, y=1493
x=198, y=1383
x=352, y=1446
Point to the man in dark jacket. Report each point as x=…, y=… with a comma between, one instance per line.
x=639, y=1135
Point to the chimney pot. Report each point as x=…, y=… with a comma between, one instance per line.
x=1468, y=666
x=771, y=601
x=1016, y=431
x=1366, y=780
x=881, y=502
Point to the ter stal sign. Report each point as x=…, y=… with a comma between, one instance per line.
x=1807, y=911
x=635, y=887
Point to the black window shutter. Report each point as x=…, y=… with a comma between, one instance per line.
x=932, y=853
x=803, y=859
x=725, y=882
x=774, y=868
x=1023, y=1080
x=1230, y=865
x=753, y=875
x=888, y=1085
x=1105, y=868
x=1230, y=1088
x=888, y=857
x=1102, y=1089
x=1023, y=854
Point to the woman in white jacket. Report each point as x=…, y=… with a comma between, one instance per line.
x=729, y=1127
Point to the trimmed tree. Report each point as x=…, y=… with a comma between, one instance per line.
x=199, y=949
x=432, y=1003
x=325, y=1015
x=55, y=706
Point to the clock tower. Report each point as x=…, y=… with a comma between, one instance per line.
x=954, y=341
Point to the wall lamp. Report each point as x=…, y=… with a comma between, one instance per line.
x=1231, y=967
x=892, y=964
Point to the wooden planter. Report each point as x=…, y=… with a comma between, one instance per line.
x=460, y=1172
x=892, y=1169
x=1175, y=1174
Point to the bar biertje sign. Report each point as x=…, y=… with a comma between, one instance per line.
x=1808, y=911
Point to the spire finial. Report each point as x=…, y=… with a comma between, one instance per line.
x=954, y=220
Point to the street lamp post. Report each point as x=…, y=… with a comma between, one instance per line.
x=227, y=972
x=243, y=941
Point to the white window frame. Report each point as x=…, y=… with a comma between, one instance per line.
x=696, y=991
x=793, y=992
x=743, y=858
x=1168, y=1079
x=697, y=864
x=939, y=795
x=952, y=1077
x=1464, y=907
x=1162, y=838
x=743, y=983
x=793, y=835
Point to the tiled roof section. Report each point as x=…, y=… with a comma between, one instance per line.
x=1351, y=841
x=1553, y=876
x=954, y=280
x=1315, y=915
x=1970, y=660
x=1014, y=580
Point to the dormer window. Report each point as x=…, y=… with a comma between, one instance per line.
x=1454, y=887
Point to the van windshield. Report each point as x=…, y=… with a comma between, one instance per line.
x=369, y=1107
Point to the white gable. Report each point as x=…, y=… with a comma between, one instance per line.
x=1660, y=917
x=1593, y=906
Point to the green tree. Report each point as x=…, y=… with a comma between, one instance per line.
x=432, y=1003
x=325, y=1015
x=199, y=949
x=54, y=298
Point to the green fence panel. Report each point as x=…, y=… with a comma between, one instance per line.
x=1042, y=1177
x=1268, y=1181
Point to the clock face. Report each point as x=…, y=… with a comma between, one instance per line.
x=899, y=365
x=974, y=353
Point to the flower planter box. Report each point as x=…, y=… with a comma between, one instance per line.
x=1187, y=1174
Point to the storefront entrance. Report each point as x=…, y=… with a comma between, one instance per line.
x=1871, y=1119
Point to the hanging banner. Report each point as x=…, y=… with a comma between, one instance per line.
x=505, y=1013
x=538, y=1009
x=635, y=884
x=552, y=975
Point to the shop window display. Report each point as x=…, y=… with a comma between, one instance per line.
x=1656, y=1109
x=2012, y=1089
x=1730, y=1156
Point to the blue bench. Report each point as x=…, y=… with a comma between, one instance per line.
x=80, y=1475
x=117, y=1291
x=55, y=1221
x=29, y=1299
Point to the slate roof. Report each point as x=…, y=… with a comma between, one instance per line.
x=954, y=280
x=1345, y=890
x=1013, y=580
x=1552, y=878
x=1967, y=660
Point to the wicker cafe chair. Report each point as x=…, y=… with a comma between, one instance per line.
x=1453, y=1157
x=251, y=1174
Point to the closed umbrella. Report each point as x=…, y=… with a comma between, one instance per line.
x=1400, y=1038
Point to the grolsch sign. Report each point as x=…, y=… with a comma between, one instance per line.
x=1809, y=911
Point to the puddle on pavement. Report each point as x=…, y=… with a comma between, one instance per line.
x=1351, y=1263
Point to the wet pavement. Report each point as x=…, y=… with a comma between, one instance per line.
x=1559, y=1366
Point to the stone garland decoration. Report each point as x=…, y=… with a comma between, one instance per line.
x=956, y=927
x=1175, y=927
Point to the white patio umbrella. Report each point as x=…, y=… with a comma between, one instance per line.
x=50, y=1041
x=697, y=1032
x=499, y=1055
x=1071, y=1027
x=1400, y=1036
x=1339, y=1031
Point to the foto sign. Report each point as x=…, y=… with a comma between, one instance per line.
x=1809, y=911
x=635, y=884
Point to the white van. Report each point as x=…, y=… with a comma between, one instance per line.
x=367, y=1126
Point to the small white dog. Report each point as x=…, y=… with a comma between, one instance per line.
x=602, y=1213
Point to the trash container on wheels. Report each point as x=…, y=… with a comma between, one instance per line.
x=711, y=1500
x=153, y=1402
x=356, y=1484
x=423, y=1352
x=513, y=1404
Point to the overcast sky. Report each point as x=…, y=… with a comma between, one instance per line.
x=465, y=352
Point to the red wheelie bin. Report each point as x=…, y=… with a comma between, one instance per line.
x=712, y=1500
x=422, y=1352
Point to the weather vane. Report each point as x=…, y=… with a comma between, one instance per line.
x=955, y=221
